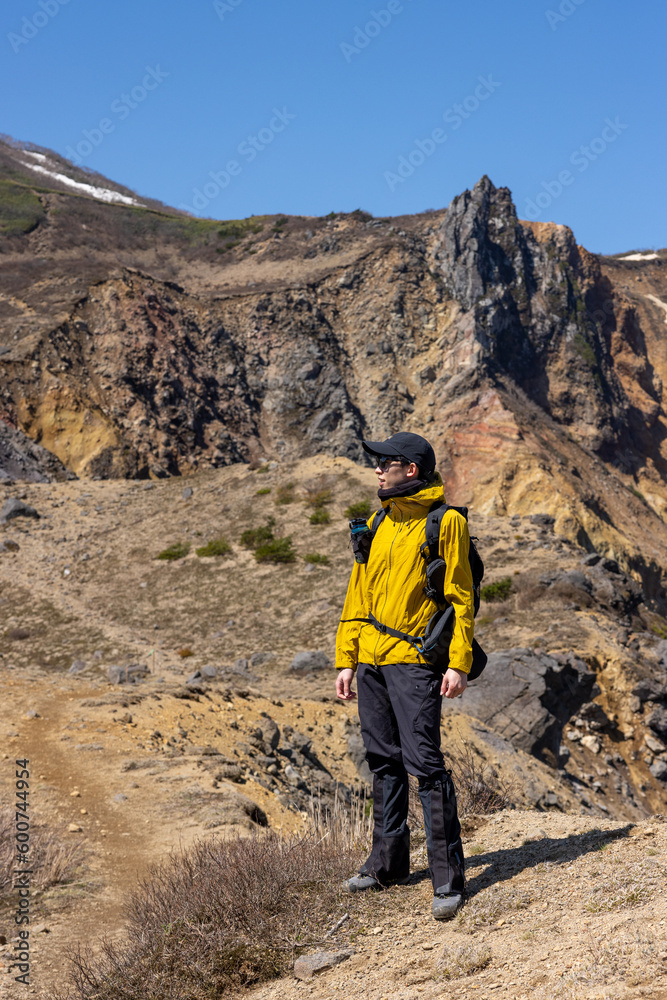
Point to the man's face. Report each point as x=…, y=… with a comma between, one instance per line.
x=394, y=472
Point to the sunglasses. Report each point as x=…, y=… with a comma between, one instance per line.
x=384, y=461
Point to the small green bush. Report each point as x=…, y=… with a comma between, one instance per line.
x=263, y=491
x=320, y=516
x=216, y=547
x=176, y=551
x=278, y=550
x=254, y=537
x=498, y=591
x=318, y=497
x=263, y=468
x=362, y=508
x=285, y=493
x=636, y=493
x=316, y=559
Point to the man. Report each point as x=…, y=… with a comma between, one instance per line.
x=400, y=695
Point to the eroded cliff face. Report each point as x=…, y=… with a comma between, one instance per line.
x=534, y=367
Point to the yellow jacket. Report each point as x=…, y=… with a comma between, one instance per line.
x=390, y=586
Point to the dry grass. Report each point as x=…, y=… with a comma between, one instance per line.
x=634, y=957
x=464, y=960
x=488, y=906
x=53, y=861
x=630, y=887
x=346, y=827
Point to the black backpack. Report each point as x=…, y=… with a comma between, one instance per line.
x=433, y=646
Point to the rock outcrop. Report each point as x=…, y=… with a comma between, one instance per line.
x=527, y=696
x=23, y=459
x=535, y=367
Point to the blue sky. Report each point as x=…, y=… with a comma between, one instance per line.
x=393, y=107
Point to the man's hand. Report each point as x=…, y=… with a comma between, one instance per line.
x=454, y=683
x=343, y=685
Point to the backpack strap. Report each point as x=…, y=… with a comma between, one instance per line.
x=431, y=547
x=433, y=525
x=378, y=518
x=414, y=640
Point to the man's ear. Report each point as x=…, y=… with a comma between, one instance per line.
x=412, y=471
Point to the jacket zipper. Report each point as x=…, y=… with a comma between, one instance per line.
x=386, y=588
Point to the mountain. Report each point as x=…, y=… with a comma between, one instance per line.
x=137, y=341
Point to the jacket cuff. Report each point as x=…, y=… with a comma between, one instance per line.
x=341, y=665
x=462, y=662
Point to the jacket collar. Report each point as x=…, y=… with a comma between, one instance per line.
x=417, y=505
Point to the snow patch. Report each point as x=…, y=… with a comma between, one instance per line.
x=658, y=302
x=639, y=256
x=102, y=194
x=38, y=156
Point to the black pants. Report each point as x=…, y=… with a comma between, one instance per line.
x=399, y=710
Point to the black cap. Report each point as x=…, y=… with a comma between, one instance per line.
x=404, y=445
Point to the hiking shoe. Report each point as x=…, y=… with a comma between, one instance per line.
x=446, y=905
x=358, y=883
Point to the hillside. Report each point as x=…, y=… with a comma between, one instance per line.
x=218, y=734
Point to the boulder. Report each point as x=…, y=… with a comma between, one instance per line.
x=297, y=740
x=257, y=659
x=310, y=660
x=23, y=459
x=650, y=690
x=270, y=732
x=657, y=721
x=659, y=770
x=542, y=520
x=357, y=751
x=129, y=674
x=16, y=508
x=527, y=696
x=230, y=772
x=307, y=966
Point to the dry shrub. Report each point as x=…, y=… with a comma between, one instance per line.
x=464, y=960
x=319, y=492
x=221, y=916
x=479, y=791
x=52, y=861
x=528, y=597
x=347, y=827
x=567, y=593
